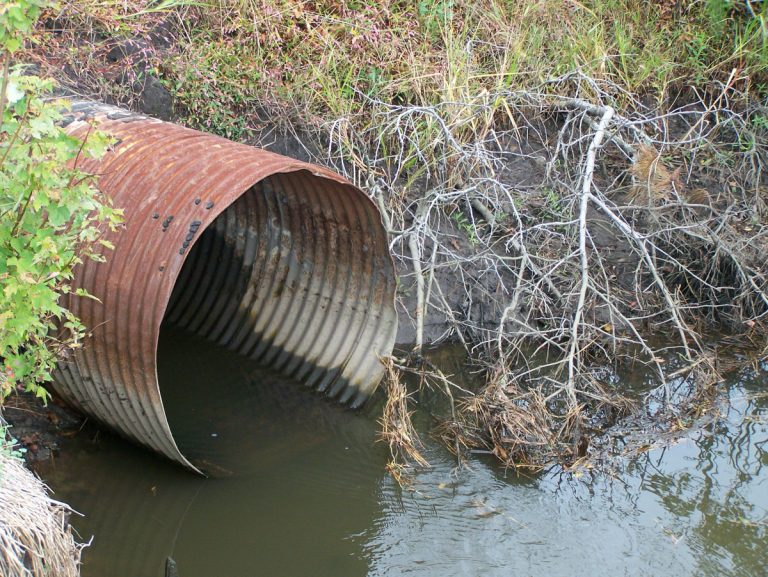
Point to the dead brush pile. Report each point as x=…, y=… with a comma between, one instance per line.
x=635, y=227
x=35, y=537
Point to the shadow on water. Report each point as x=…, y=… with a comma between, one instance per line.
x=300, y=489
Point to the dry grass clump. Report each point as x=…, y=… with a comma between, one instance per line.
x=653, y=182
x=513, y=424
x=530, y=427
x=397, y=429
x=35, y=537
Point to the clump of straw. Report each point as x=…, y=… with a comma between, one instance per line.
x=35, y=536
x=397, y=429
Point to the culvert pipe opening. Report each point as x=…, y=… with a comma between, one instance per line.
x=283, y=277
x=280, y=261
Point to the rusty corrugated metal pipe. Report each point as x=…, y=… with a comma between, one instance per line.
x=282, y=261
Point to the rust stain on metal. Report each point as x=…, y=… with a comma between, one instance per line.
x=280, y=260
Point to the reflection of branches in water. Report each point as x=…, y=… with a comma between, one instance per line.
x=610, y=245
x=720, y=495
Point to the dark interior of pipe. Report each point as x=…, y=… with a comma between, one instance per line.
x=271, y=279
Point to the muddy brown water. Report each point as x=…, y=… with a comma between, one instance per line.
x=301, y=490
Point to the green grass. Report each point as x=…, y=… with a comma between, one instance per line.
x=319, y=59
x=311, y=62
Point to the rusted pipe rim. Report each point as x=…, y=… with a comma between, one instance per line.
x=280, y=260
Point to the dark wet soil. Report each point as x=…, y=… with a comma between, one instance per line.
x=38, y=428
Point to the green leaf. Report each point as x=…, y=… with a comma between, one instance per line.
x=81, y=292
x=47, y=224
x=13, y=94
x=12, y=44
x=58, y=215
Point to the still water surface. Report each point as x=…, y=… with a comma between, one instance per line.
x=303, y=491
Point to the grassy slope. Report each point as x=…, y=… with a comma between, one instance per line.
x=318, y=60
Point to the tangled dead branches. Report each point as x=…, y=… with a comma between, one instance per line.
x=574, y=235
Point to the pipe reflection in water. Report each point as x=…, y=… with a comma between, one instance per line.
x=307, y=495
x=294, y=477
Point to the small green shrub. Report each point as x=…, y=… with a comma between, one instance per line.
x=50, y=215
